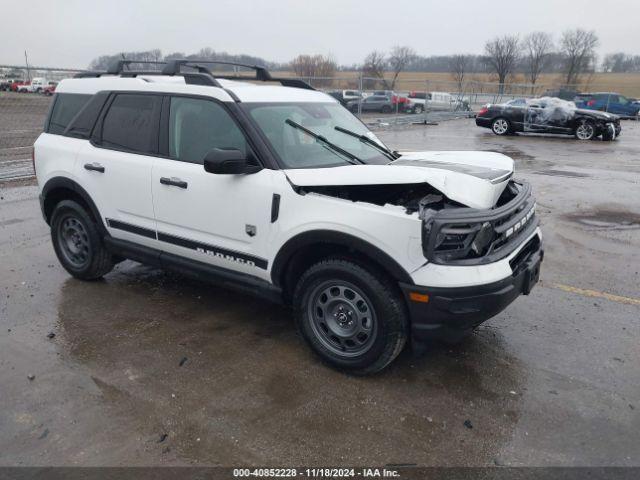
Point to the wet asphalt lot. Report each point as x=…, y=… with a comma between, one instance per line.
x=150, y=368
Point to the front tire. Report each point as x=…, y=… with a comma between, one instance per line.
x=77, y=242
x=353, y=318
x=501, y=126
x=418, y=109
x=608, y=135
x=386, y=109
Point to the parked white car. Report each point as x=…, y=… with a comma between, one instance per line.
x=436, y=101
x=37, y=85
x=281, y=192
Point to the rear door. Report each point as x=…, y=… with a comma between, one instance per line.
x=115, y=167
x=515, y=114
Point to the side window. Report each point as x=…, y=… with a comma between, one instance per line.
x=198, y=126
x=131, y=123
x=66, y=106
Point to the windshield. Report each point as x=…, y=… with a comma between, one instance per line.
x=298, y=149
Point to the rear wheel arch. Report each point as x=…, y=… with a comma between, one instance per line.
x=306, y=249
x=58, y=189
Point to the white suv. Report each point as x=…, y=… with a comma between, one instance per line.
x=280, y=191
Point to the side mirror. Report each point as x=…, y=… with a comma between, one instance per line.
x=228, y=162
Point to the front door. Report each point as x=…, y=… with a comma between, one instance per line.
x=223, y=220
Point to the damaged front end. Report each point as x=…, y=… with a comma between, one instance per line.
x=452, y=233
x=466, y=236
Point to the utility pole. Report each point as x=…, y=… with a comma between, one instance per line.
x=26, y=61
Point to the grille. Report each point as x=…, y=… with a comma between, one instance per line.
x=466, y=236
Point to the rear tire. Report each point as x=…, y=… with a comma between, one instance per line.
x=353, y=318
x=585, y=130
x=501, y=126
x=386, y=109
x=77, y=242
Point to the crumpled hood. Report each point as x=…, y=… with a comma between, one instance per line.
x=475, y=179
x=597, y=114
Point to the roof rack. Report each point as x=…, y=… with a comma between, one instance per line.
x=202, y=75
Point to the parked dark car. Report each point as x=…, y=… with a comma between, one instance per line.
x=548, y=115
x=608, y=102
x=5, y=85
x=401, y=100
x=374, y=103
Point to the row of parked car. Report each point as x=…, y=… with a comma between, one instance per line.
x=610, y=102
x=387, y=101
x=37, y=85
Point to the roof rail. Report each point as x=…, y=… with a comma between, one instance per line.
x=173, y=67
x=202, y=75
x=117, y=68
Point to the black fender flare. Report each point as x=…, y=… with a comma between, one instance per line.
x=66, y=183
x=355, y=244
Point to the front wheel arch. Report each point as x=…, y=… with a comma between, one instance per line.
x=307, y=248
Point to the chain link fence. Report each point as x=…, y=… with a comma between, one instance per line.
x=379, y=102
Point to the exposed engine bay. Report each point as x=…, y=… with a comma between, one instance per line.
x=415, y=198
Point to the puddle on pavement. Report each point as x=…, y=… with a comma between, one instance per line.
x=515, y=153
x=606, y=219
x=250, y=391
x=562, y=173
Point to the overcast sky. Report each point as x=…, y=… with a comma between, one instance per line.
x=70, y=33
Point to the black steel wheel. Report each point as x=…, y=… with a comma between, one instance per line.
x=342, y=318
x=74, y=241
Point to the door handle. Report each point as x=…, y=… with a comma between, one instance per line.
x=95, y=167
x=174, y=182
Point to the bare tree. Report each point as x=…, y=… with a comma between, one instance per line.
x=374, y=67
x=315, y=66
x=399, y=58
x=620, y=62
x=537, y=47
x=459, y=68
x=502, y=56
x=578, y=47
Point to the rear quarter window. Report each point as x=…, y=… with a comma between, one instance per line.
x=65, y=107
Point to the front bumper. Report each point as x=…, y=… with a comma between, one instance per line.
x=451, y=312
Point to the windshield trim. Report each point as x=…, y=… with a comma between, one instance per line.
x=246, y=108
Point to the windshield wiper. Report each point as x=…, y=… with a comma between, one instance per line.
x=364, y=139
x=350, y=157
